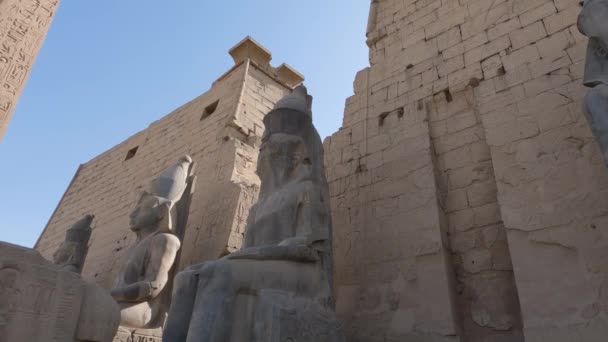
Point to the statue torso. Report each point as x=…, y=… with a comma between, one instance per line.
x=138, y=262
x=275, y=216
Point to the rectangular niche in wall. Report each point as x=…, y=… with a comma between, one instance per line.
x=131, y=153
x=210, y=109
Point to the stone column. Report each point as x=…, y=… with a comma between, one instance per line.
x=23, y=26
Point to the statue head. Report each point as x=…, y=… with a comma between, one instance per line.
x=291, y=147
x=283, y=158
x=153, y=210
x=151, y=213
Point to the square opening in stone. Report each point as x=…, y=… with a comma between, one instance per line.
x=131, y=153
x=210, y=109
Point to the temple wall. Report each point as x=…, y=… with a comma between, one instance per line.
x=23, y=26
x=464, y=157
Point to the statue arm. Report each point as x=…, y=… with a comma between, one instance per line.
x=300, y=246
x=162, y=256
x=300, y=253
x=311, y=225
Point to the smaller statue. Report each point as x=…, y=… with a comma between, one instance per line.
x=140, y=290
x=73, y=251
x=592, y=22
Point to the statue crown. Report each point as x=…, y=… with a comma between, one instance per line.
x=297, y=100
x=172, y=182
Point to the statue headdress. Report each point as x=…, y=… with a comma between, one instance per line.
x=291, y=115
x=169, y=187
x=172, y=182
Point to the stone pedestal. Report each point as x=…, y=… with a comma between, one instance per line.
x=138, y=335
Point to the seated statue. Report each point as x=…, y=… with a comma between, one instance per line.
x=143, y=280
x=591, y=24
x=278, y=287
x=73, y=251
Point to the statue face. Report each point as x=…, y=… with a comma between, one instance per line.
x=279, y=157
x=147, y=213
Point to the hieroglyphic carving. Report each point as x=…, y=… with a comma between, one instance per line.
x=126, y=336
x=23, y=26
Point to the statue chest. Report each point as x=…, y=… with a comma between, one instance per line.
x=275, y=218
x=137, y=262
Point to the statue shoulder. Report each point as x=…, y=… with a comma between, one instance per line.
x=166, y=240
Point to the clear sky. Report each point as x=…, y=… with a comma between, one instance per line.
x=109, y=68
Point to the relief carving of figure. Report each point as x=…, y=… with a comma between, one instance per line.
x=142, y=283
x=592, y=22
x=278, y=287
x=73, y=251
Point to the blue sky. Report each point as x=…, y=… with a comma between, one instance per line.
x=109, y=68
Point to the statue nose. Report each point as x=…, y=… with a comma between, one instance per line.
x=579, y=24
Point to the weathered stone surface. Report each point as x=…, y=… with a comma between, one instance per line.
x=72, y=253
x=510, y=152
x=592, y=23
x=23, y=26
x=278, y=287
x=41, y=302
x=468, y=193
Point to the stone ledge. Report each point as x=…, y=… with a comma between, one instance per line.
x=250, y=48
x=288, y=75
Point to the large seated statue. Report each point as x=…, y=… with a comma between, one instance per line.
x=592, y=22
x=278, y=287
x=141, y=290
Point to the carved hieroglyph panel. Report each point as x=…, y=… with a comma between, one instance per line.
x=23, y=26
x=127, y=336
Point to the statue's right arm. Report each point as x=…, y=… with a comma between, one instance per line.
x=136, y=292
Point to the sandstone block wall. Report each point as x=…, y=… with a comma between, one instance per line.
x=23, y=26
x=465, y=181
